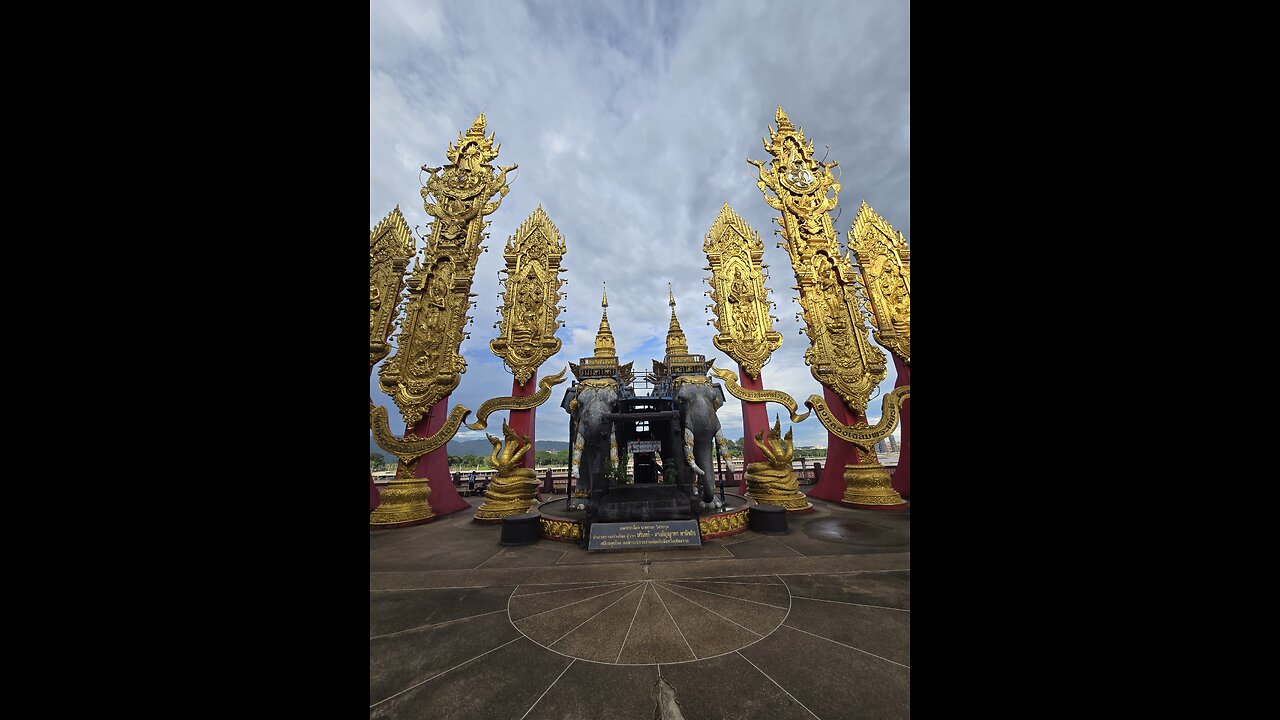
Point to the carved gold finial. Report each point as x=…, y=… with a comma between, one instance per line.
x=604, y=337
x=676, y=343
x=783, y=121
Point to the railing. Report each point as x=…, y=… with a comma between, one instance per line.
x=559, y=475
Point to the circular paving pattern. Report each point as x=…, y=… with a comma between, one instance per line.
x=650, y=621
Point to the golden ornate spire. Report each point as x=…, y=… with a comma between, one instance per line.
x=604, y=337
x=676, y=344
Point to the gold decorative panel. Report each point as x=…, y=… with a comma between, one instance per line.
x=427, y=365
x=882, y=256
x=734, y=251
x=530, y=307
x=391, y=245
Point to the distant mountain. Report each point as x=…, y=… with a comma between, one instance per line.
x=473, y=447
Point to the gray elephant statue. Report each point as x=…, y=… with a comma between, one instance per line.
x=698, y=399
x=594, y=443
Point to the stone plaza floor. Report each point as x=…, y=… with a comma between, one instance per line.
x=813, y=623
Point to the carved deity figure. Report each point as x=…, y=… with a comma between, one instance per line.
x=741, y=297
x=832, y=293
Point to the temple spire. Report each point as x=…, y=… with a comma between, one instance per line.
x=676, y=343
x=604, y=337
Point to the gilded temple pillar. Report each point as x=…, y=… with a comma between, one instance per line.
x=526, y=338
x=391, y=246
x=840, y=355
x=840, y=454
x=755, y=419
x=744, y=320
x=883, y=260
x=427, y=365
x=902, y=475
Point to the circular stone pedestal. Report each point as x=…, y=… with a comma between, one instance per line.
x=769, y=519
x=521, y=529
x=561, y=523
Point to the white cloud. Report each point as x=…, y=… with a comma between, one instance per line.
x=631, y=124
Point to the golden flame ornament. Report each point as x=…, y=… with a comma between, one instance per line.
x=745, y=324
x=840, y=354
x=882, y=256
x=391, y=246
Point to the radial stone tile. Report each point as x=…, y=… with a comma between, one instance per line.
x=758, y=618
x=707, y=633
x=600, y=638
x=653, y=636
x=560, y=587
x=729, y=688
x=523, y=606
x=548, y=626
x=767, y=594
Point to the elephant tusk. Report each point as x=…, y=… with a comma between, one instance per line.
x=688, y=452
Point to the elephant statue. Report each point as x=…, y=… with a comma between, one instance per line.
x=594, y=441
x=698, y=399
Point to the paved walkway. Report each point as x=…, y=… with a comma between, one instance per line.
x=815, y=623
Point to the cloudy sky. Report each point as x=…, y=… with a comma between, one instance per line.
x=631, y=123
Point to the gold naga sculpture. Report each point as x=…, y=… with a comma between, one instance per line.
x=511, y=491
x=730, y=379
x=738, y=293
x=774, y=482
x=840, y=354
x=391, y=246
x=427, y=366
x=883, y=258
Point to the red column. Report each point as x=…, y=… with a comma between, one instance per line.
x=902, y=476
x=839, y=453
x=434, y=467
x=755, y=418
x=522, y=422
x=374, y=498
